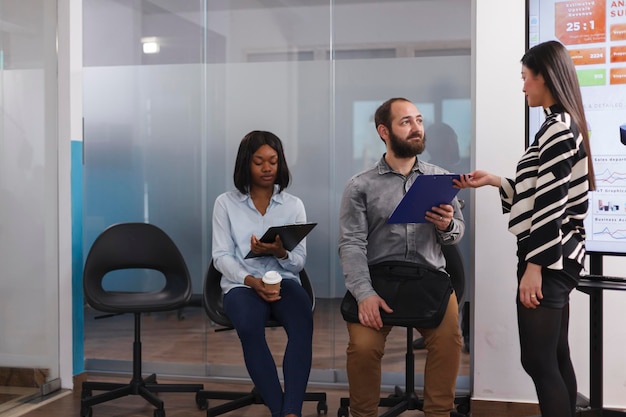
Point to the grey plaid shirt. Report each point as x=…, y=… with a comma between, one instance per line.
x=366, y=239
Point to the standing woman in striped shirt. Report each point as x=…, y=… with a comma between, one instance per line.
x=547, y=202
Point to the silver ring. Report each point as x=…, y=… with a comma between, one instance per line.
x=440, y=218
x=533, y=296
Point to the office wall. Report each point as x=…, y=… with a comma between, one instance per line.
x=498, y=44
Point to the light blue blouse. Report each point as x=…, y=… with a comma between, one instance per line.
x=235, y=220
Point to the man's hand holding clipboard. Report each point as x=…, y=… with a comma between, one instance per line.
x=426, y=192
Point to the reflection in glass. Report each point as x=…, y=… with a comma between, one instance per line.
x=162, y=130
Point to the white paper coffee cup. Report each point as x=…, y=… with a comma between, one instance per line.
x=272, y=280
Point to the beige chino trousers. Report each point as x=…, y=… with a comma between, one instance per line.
x=367, y=347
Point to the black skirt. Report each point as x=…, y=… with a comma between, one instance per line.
x=556, y=284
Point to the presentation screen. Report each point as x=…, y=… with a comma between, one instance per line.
x=594, y=32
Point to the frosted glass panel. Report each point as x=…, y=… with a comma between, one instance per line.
x=29, y=328
x=161, y=137
x=431, y=67
x=142, y=153
x=439, y=86
x=292, y=101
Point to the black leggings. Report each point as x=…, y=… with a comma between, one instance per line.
x=543, y=334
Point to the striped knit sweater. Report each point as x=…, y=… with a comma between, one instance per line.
x=548, y=199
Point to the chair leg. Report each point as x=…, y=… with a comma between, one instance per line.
x=239, y=400
x=151, y=397
x=138, y=385
x=398, y=409
x=174, y=387
x=115, y=393
x=320, y=397
x=236, y=400
x=232, y=405
x=408, y=399
x=90, y=386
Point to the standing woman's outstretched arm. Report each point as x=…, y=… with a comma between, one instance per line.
x=478, y=179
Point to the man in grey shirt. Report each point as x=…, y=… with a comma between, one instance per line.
x=366, y=240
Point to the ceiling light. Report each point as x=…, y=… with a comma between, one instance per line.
x=150, y=45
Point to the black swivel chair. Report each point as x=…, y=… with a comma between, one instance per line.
x=213, y=304
x=134, y=246
x=408, y=399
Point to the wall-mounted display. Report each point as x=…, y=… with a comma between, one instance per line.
x=594, y=32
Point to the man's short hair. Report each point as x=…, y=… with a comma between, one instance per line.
x=383, y=113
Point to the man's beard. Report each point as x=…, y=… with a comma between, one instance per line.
x=405, y=148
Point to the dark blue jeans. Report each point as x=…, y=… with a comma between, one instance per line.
x=249, y=313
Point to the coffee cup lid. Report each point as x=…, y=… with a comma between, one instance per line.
x=272, y=277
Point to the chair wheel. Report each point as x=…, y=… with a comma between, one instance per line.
x=86, y=412
x=322, y=408
x=342, y=412
x=202, y=403
x=159, y=412
x=463, y=408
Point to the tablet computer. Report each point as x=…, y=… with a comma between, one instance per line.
x=290, y=235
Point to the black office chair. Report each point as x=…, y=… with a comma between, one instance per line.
x=134, y=246
x=454, y=261
x=408, y=399
x=213, y=304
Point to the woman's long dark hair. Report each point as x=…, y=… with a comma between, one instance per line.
x=552, y=60
x=248, y=146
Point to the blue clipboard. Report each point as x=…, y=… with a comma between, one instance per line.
x=426, y=192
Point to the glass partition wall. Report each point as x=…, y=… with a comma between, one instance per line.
x=29, y=295
x=170, y=88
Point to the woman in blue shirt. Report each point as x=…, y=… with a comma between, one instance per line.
x=240, y=217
